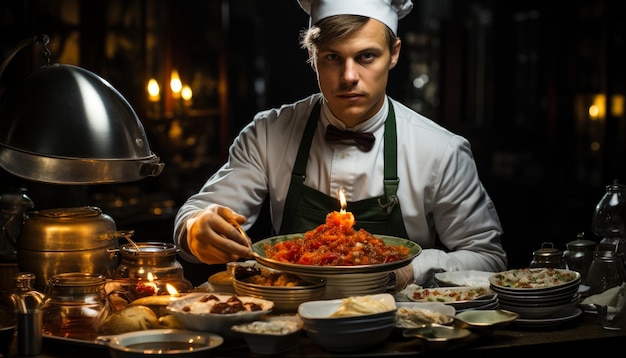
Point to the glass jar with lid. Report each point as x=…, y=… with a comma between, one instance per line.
x=609, y=217
x=147, y=268
x=548, y=256
x=75, y=303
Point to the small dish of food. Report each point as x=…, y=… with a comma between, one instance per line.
x=485, y=319
x=214, y=312
x=416, y=314
x=273, y=335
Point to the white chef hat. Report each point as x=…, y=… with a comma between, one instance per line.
x=386, y=11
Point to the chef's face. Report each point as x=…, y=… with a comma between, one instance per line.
x=352, y=72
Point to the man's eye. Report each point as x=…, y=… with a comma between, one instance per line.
x=367, y=57
x=332, y=57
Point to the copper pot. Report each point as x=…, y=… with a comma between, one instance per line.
x=55, y=241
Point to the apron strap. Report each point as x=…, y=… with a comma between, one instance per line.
x=391, y=166
x=298, y=174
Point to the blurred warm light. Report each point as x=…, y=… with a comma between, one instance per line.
x=176, y=131
x=597, y=110
x=186, y=93
x=153, y=90
x=617, y=105
x=595, y=146
x=175, y=84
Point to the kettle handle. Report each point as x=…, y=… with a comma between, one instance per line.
x=7, y=233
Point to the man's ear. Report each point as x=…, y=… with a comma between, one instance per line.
x=395, y=54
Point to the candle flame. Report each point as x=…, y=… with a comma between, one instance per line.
x=186, y=93
x=342, y=200
x=175, y=83
x=172, y=290
x=153, y=90
x=151, y=282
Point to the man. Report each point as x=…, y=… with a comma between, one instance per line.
x=417, y=180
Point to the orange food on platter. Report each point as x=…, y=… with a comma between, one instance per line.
x=336, y=243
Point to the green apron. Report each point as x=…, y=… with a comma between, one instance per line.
x=306, y=208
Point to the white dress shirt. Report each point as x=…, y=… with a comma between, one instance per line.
x=439, y=188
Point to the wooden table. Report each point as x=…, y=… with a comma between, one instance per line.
x=582, y=336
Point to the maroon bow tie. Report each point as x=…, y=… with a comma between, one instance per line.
x=361, y=139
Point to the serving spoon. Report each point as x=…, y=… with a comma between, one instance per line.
x=243, y=233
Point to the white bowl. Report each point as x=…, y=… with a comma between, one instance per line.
x=154, y=342
x=219, y=323
x=273, y=335
x=415, y=314
x=351, y=332
x=350, y=340
x=324, y=309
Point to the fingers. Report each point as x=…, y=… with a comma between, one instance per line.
x=213, y=239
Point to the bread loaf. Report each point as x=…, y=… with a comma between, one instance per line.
x=129, y=319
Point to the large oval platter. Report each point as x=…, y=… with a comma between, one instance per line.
x=261, y=257
x=532, y=281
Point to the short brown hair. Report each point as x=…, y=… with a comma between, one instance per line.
x=334, y=28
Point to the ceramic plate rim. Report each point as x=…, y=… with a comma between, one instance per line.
x=448, y=277
x=259, y=253
x=547, y=322
x=215, y=340
x=459, y=289
x=464, y=333
x=574, y=281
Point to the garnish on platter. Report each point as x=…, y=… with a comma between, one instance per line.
x=534, y=278
x=336, y=243
x=449, y=294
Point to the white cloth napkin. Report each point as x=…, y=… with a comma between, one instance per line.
x=614, y=298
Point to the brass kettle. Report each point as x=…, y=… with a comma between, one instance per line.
x=80, y=239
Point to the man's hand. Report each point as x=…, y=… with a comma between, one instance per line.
x=213, y=239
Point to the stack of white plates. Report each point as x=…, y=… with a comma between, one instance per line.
x=461, y=298
x=356, y=284
x=285, y=298
x=537, y=293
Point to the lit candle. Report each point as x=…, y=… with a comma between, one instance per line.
x=159, y=300
x=186, y=93
x=342, y=201
x=175, y=84
x=172, y=291
x=151, y=283
x=153, y=90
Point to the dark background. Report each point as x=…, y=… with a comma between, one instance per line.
x=514, y=77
